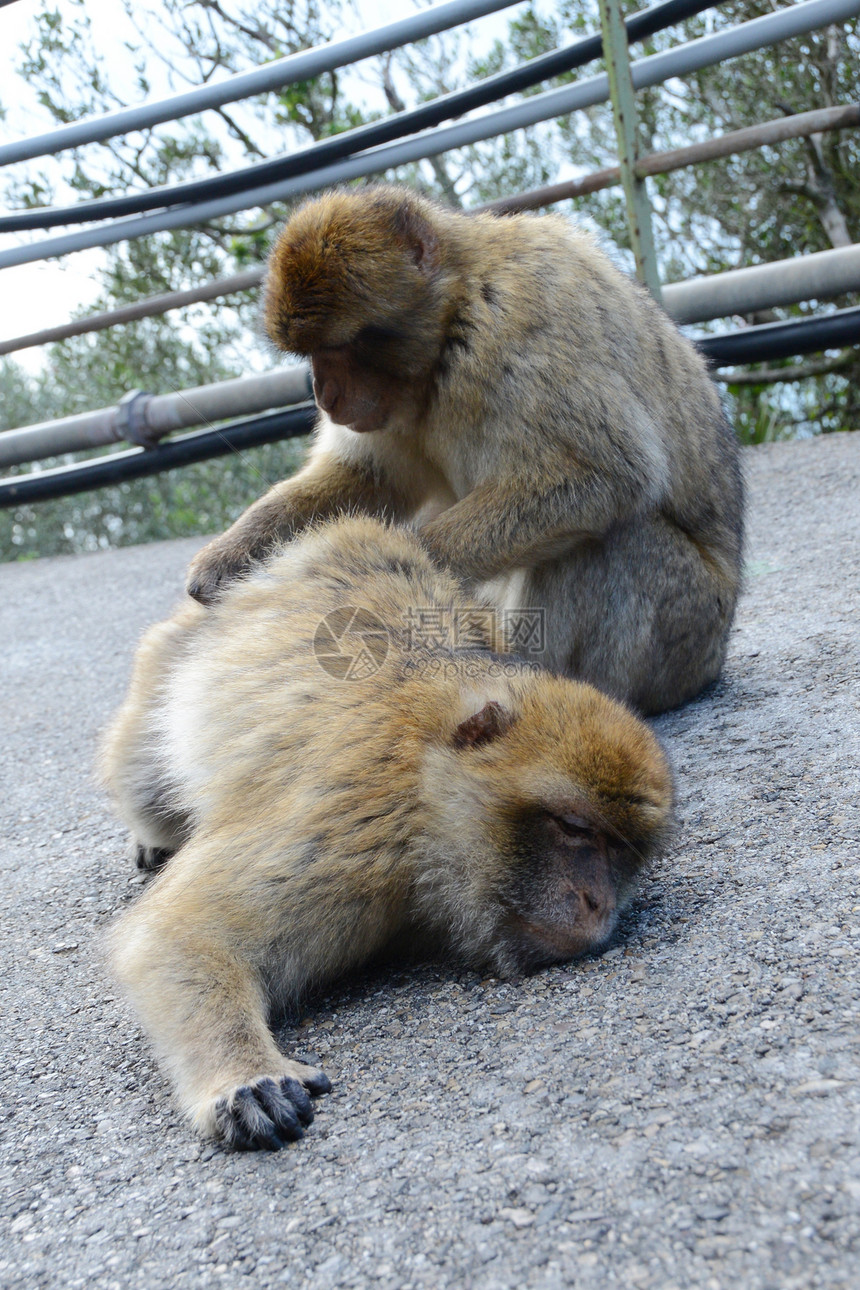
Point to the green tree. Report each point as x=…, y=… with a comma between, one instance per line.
x=756, y=207
x=68, y=61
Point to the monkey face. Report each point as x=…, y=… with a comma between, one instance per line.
x=353, y=284
x=554, y=805
x=569, y=879
x=358, y=388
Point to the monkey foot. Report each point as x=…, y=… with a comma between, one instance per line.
x=268, y=1113
x=151, y=859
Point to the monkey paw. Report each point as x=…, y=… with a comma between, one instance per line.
x=269, y=1113
x=150, y=859
x=213, y=568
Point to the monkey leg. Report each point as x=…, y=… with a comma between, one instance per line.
x=643, y=614
x=150, y=859
x=131, y=765
x=204, y=1006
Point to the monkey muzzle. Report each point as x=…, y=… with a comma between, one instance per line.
x=577, y=921
x=350, y=394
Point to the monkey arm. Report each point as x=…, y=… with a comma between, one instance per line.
x=204, y=1005
x=500, y=526
x=234, y=922
x=326, y=486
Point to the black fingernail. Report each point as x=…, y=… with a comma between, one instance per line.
x=318, y=1084
x=297, y=1094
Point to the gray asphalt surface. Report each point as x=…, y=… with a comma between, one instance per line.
x=679, y=1112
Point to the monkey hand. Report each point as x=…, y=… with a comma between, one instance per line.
x=269, y=1112
x=447, y=549
x=220, y=562
x=274, y=518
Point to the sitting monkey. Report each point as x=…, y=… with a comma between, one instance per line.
x=335, y=786
x=498, y=383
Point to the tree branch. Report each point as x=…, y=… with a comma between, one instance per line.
x=259, y=34
x=236, y=130
x=396, y=103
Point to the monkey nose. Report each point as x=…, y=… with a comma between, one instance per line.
x=593, y=904
x=327, y=393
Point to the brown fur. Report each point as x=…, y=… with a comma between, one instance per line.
x=496, y=382
x=451, y=801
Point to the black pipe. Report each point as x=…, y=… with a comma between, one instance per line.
x=782, y=339
x=752, y=345
x=639, y=27
x=185, y=450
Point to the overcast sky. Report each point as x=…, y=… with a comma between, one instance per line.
x=32, y=294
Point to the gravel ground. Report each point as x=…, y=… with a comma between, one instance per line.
x=681, y=1111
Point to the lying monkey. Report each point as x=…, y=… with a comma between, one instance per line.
x=333, y=787
x=499, y=383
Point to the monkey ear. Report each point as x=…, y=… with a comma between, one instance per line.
x=419, y=238
x=482, y=727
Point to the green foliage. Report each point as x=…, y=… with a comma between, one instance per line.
x=204, y=498
x=22, y=397
x=66, y=62
x=756, y=418
x=92, y=371
x=756, y=207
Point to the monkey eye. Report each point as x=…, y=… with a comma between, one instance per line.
x=377, y=335
x=574, y=826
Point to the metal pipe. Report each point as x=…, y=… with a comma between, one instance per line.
x=303, y=66
x=773, y=27
x=201, y=445
x=819, y=276
x=656, y=163
x=639, y=26
x=146, y=418
x=626, y=117
x=782, y=339
x=752, y=344
x=146, y=308
x=796, y=126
